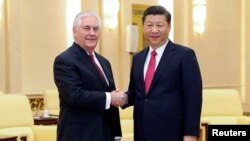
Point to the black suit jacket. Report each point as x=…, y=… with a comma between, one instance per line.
x=172, y=107
x=82, y=98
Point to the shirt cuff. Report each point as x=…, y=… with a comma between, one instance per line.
x=118, y=137
x=108, y=100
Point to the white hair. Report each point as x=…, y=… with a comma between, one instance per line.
x=77, y=21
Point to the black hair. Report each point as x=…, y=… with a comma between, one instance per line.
x=156, y=10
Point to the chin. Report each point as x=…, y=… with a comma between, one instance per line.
x=91, y=45
x=155, y=43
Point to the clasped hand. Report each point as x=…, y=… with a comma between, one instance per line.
x=118, y=98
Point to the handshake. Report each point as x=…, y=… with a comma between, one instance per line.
x=119, y=98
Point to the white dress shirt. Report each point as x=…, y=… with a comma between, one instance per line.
x=159, y=52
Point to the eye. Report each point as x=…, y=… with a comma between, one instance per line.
x=149, y=25
x=86, y=28
x=160, y=25
x=96, y=29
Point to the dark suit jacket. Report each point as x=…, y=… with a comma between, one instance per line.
x=172, y=107
x=82, y=98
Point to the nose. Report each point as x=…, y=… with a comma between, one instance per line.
x=91, y=31
x=154, y=29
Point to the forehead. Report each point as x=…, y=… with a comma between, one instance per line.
x=89, y=20
x=155, y=18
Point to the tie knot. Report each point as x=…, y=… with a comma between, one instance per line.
x=153, y=53
x=91, y=55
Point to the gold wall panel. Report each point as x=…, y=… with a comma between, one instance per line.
x=137, y=12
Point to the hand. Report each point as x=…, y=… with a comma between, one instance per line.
x=190, y=138
x=118, y=98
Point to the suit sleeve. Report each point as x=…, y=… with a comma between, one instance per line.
x=131, y=89
x=117, y=124
x=192, y=88
x=70, y=86
x=116, y=114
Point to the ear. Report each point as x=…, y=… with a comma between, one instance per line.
x=169, y=25
x=74, y=30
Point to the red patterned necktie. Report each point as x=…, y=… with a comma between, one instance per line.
x=150, y=71
x=97, y=67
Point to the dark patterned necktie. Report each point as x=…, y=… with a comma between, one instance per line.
x=97, y=67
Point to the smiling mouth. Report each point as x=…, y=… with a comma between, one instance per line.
x=91, y=39
x=154, y=37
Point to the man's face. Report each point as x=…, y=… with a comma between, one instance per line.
x=156, y=30
x=87, y=34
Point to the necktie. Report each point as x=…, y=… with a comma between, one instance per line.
x=97, y=67
x=150, y=71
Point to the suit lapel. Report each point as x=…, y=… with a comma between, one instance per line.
x=166, y=57
x=106, y=71
x=141, y=69
x=84, y=58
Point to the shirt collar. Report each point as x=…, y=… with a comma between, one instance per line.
x=160, y=49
